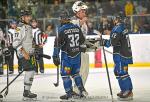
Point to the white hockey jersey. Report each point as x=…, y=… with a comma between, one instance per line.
x=11, y=33
x=23, y=39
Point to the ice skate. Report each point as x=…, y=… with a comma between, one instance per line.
x=1, y=98
x=119, y=94
x=27, y=95
x=83, y=94
x=126, y=96
x=66, y=96
x=41, y=71
x=19, y=71
x=11, y=72
x=1, y=73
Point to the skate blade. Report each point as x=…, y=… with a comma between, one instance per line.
x=1, y=98
x=125, y=99
x=29, y=99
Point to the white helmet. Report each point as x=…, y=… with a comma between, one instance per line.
x=78, y=5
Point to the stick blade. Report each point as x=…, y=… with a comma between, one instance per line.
x=56, y=84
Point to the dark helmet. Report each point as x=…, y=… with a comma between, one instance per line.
x=24, y=12
x=120, y=17
x=64, y=15
x=13, y=21
x=117, y=18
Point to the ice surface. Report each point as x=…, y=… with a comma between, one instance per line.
x=97, y=86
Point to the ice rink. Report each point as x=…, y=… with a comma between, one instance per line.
x=97, y=86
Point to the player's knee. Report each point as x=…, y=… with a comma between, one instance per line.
x=67, y=83
x=116, y=74
x=123, y=74
x=66, y=78
x=77, y=79
x=74, y=76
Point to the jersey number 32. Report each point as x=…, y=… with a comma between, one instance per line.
x=74, y=40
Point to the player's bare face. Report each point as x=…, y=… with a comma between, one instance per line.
x=34, y=24
x=81, y=14
x=115, y=22
x=27, y=19
x=13, y=26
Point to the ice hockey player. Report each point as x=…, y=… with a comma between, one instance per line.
x=80, y=10
x=122, y=56
x=1, y=51
x=23, y=42
x=11, y=32
x=37, y=36
x=69, y=41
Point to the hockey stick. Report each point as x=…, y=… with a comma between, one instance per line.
x=12, y=81
x=110, y=88
x=45, y=56
x=7, y=60
x=1, y=98
x=6, y=92
x=57, y=83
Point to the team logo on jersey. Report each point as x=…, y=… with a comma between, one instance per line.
x=17, y=29
x=68, y=70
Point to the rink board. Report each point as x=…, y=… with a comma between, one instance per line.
x=140, y=49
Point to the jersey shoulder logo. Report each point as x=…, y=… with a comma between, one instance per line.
x=17, y=29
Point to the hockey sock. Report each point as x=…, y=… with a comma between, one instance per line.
x=67, y=83
x=28, y=79
x=128, y=83
x=78, y=82
x=121, y=84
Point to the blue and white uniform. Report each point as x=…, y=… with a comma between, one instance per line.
x=122, y=55
x=69, y=39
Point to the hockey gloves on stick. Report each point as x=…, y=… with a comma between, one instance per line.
x=83, y=48
x=56, y=60
x=105, y=42
x=37, y=54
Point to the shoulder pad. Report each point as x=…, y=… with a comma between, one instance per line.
x=20, y=24
x=118, y=29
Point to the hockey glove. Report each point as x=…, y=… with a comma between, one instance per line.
x=37, y=54
x=83, y=48
x=56, y=60
x=7, y=54
x=105, y=42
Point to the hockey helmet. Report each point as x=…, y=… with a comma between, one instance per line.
x=64, y=15
x=78, y=5
x=24, y=12
x=13, y=21
x=120, y=17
